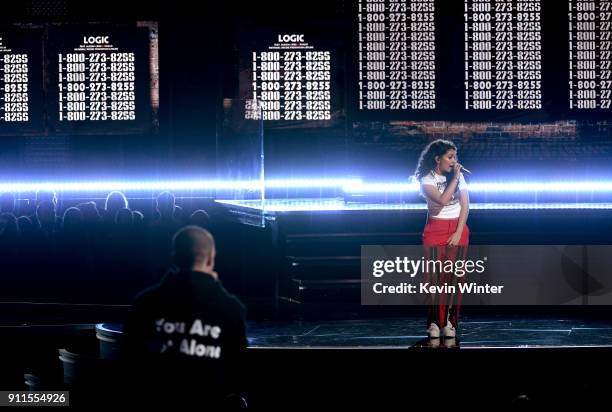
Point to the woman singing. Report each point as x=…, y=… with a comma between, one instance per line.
x=446, y=235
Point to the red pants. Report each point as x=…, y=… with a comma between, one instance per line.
x=443, y=307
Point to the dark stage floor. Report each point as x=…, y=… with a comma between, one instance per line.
x=477, y=332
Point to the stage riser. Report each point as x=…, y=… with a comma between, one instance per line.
x=302, y=260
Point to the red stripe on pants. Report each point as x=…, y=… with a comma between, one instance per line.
x=435, y=244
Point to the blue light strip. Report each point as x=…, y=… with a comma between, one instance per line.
x=176, y=185
x=349, y=186
x=314, y=205
x=97, y=186
x=492, y=187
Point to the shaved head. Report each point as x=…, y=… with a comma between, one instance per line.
x=193, y=246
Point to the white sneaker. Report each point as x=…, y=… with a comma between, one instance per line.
x=450, y=343
x=433, y=331
x=449, y=330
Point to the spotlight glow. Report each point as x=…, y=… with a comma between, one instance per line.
x=350, y=186
x=193, y=185
x=310, y=183
x=492, y=187
x=549, y=187
x=333, y=204
x=178, y=185
x=381, y=187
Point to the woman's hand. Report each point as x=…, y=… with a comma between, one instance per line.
x=457, y=171
x=454, y=239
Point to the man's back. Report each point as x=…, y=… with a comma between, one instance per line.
x=188, y=327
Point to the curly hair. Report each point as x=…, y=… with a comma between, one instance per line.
x=427, y=159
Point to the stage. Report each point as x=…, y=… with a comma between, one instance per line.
x=499, y=359
x=304, y=254
x=508, y=361
x=477, y=332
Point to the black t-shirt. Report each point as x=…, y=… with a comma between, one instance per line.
x=188, y=331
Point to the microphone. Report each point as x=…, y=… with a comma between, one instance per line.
x=464, y=170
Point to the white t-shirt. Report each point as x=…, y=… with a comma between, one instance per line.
x=453, y=208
